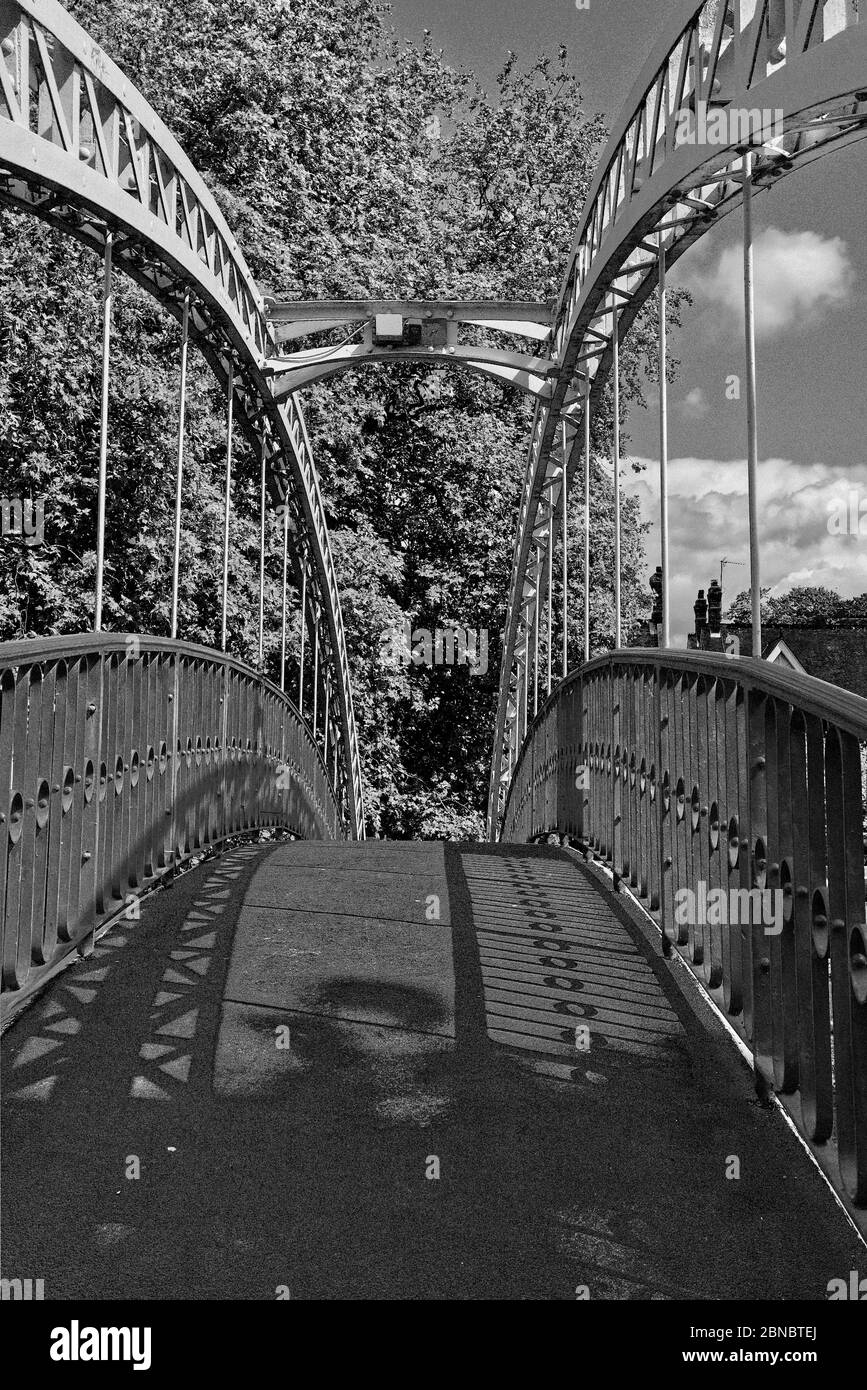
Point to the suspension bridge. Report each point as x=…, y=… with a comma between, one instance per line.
x=339, y=1067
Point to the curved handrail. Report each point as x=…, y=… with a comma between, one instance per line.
x=820, y=698
x=132, y=177
x=729, y=795
x=650, y=187
x=121, y=756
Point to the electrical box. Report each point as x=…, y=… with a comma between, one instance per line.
x=388, y=328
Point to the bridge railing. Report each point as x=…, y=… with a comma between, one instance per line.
x=120, y=758
x=700, y=779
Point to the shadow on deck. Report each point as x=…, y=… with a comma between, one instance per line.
x=291, y=1043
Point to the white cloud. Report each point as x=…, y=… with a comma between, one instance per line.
x=694, y=405
x=708, y=519
x=800, y=277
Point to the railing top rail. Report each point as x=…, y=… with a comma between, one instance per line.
x=808, y=694
x=37, y=651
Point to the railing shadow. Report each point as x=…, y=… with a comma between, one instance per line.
x=160, y=1144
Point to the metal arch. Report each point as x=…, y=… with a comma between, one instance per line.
x=528, y=374
x=101, y=160
x=806, y=58
x=437, y=345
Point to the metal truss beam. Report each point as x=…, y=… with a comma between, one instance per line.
x=657, y=184
x=81, y=149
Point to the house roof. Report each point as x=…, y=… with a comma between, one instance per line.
x=781, y=651
x=834, y=654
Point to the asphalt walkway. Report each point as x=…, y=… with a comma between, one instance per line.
x=395, y=1071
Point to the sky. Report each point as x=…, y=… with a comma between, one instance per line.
x=811, y=292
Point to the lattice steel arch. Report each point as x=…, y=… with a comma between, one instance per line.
x=82, y=149
x=804, y=58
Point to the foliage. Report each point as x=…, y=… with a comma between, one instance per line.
x=801, y=606
x=351, y=164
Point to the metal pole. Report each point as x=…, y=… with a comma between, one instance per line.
x=565, y=501
x=663, y=449
x=550, y=583
x=325, y=720
x=227, y=502
x=536, y=638
x=262, y=551
x=179, y=479
x=526, y=692
x=316, y=676
x=587, y=521
x=752, y=424
x=285, y=579
x=303, y=632
x=615, y=370
x=103, y=432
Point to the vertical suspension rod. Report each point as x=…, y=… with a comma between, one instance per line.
x=565, y=513
x=615, y=372
x=752, y=421
x=179, y=474
x=587, y=521
x=227, y=501
x=285, y=586
x=262, y=472
x=663, y=449
x=107, y=298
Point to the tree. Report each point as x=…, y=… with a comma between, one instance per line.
x=802, y=605
x=349, y=163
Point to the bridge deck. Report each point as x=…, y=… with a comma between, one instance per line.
x=403, y=1038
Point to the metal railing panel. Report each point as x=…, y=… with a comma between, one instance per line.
x=737, y=787
x=122, y=757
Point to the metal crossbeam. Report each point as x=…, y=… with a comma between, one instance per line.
x=417, y=330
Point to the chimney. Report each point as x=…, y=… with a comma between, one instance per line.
x=714, y=616
x=700, y=610
x=656, y=586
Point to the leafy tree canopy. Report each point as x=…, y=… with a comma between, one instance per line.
x=349, y=163
x=801, y=606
